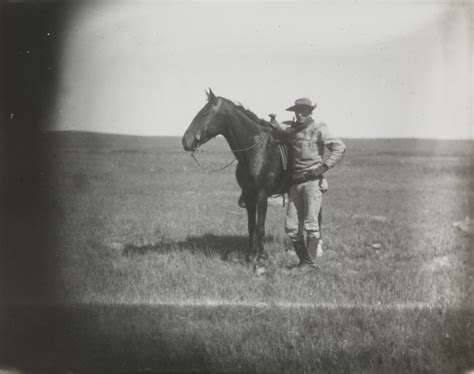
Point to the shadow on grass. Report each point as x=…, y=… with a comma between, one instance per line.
x=223, y=246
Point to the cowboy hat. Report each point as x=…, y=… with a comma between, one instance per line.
x=302, y=103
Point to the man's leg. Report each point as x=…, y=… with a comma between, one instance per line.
x=312, y=203
x=294, y=221
x=293, y=214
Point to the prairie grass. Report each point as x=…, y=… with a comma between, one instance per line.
x=141, y=223
x=140, y=226
x=199, y=338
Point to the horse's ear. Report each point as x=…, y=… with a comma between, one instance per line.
x=207, y=94
x=212, y=97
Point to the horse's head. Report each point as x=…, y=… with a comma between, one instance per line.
x=206, y=124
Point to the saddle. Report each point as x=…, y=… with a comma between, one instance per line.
x=284, y=150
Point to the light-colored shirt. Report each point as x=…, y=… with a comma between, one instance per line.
x=308, y=141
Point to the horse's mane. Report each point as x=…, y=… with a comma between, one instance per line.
x=249, y=114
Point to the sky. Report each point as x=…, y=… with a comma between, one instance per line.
x=375, y=69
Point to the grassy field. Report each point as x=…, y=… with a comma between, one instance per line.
x=142, y=232
x=141, y=223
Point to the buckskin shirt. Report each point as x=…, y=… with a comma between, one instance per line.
x=308, y=140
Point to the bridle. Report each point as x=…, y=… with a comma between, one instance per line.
x=219, y=102
x=230, y=163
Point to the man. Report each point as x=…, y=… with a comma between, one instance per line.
x=307, y=140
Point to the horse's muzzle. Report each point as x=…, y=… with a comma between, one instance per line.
x=189, y=144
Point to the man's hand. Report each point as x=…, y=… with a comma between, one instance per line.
x=312, y=174
x=320, y=170
x=299, y=179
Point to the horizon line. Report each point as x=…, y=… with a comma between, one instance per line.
x=179, y=136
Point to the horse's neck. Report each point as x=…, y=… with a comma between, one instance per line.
x=241, y=132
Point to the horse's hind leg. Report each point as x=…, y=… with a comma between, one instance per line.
x=251, y=206
x=262, y=205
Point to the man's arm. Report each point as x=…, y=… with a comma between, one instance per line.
x=337, y=149
x=334, y=145
x=280, y=131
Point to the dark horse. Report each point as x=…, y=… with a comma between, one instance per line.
x=260, y=171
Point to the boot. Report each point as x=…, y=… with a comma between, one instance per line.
x=313, y=247
x=302, y=254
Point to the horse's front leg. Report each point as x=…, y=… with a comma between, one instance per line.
x=262, y=205
x=251, y=206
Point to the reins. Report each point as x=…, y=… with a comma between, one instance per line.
x=212, y=170
x=230, y=163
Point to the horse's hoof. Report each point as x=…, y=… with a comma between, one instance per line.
x=262, y=256
x=296, y=269
x=259, y=270
x=291, y=267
